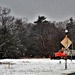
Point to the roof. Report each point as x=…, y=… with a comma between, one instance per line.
x=60, y=54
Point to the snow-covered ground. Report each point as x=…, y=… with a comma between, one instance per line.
x=35, y=67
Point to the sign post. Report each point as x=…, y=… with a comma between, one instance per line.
x=66, y=42
x=65, y=62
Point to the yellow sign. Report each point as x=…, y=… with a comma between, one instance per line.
x=66, y=42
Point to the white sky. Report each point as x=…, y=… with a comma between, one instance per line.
x=57, y=10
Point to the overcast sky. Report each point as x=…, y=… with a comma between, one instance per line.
x=58, y=10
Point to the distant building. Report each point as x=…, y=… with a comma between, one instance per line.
x=71, y=53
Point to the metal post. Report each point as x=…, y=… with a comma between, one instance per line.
x=65, y=62
x=71, y=51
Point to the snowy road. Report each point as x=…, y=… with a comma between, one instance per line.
x=35, y=67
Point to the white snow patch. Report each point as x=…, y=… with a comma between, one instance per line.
x=35, y=67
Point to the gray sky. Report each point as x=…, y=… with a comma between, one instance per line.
x=58, y=10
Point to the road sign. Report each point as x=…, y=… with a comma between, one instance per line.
x=66, y=42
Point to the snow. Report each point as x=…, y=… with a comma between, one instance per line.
x=35, y=67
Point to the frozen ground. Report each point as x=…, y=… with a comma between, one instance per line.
x=35, y=67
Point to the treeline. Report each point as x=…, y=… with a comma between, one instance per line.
x=20, y=39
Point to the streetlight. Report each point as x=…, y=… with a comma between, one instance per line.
x=66, y=32
x=66, y=42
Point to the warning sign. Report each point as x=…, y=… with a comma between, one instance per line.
x=66, y=42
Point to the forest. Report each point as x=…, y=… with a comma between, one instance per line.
x=40, y=39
